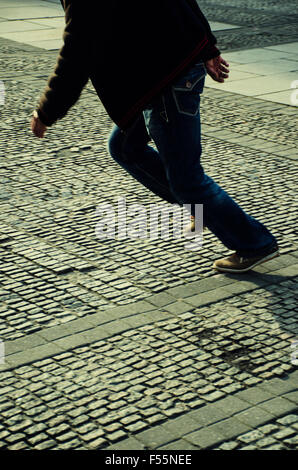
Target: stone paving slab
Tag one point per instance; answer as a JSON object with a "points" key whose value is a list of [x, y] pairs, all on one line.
{"points": [[27, 12], [262, 86]]}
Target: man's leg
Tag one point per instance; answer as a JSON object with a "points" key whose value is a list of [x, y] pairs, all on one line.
{"points": [[173, 122], [132, 152]]}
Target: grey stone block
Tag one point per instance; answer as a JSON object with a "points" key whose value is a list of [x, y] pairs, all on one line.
{"points": [[103, 317], [178, 307], [290, 271], [287, 260], [205, 285], [22, 344], [255, 416], [156, 437], [254, 395], [288, 420], [292, 396], [67, 329], [160, 300], [279, 387], [204, 438], [181, 292], [127, 444], [251, 436], [231, 405], [116, 327], [208, 297], [230, 428], [157, 315], [243, 286], [71, 342], [34, 354], [137, 320], [180, 444], [5, 367], [182, 425], [116, 313], [95, 334], [284, 433], [207, 415]]}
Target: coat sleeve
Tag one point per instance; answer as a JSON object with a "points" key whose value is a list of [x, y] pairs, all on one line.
{"points": [[71, 72], [210, 51]]}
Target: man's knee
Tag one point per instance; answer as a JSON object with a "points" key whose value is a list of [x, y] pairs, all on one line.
{"points": [[116, 145], [184, 188]]}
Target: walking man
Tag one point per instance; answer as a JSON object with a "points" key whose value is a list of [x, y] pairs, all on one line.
{"points": [[148, 61]]}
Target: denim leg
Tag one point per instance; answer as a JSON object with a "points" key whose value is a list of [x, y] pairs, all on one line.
{"points": [[173, 122], [132, 152]]}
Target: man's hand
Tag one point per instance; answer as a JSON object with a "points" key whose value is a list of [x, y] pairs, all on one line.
{"points": [[38, 128], [218, 69]]}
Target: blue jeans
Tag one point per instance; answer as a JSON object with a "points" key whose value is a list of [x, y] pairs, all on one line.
{"points": [[175, 173]]}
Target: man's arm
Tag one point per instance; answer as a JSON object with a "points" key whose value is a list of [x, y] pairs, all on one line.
{"points": [[71, 72], [211, 50], [216, 66]]}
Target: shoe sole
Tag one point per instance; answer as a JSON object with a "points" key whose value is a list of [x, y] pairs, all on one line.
{"points": [[231, 270]]}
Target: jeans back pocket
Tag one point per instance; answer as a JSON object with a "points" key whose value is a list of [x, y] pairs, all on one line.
{"points": [[188, 88]]}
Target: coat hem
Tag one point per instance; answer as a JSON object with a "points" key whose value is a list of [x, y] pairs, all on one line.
{"points": [[139, 106]]}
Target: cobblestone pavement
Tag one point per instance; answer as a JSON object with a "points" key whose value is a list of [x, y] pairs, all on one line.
{"points": [[263, 22], [280, 435], [137, 380], [137, 344]]}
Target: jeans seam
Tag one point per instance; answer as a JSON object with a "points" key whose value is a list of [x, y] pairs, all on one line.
{"points": [[179, 107], [153, 179]]}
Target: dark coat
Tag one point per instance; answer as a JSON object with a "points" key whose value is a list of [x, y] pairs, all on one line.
{"points": [[130, 50]]}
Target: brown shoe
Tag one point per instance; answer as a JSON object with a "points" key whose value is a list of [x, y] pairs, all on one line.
{"points": [[239, 264]]}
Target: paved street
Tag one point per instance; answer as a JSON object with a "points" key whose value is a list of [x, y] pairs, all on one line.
{"points": [[138, 344]]}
